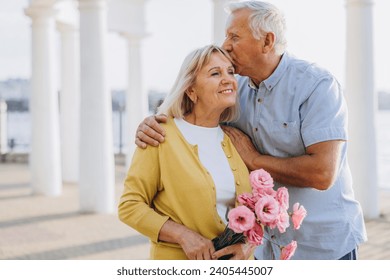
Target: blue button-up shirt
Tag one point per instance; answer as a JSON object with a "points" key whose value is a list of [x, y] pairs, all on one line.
{"points": [[299, 105]]}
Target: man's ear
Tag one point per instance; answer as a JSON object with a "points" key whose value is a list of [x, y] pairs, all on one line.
{"points": [[269, 42]]}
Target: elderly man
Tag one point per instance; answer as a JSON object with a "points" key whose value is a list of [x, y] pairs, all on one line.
{"points": [[296, 118]]}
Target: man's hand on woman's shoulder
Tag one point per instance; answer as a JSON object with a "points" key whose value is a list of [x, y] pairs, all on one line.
{"points": [[150, 132]]}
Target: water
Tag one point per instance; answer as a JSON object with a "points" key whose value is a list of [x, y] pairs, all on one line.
{"points": [[19, 129]]}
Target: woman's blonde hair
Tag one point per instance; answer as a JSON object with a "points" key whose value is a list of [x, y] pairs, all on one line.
{"points": [[177, 103]]}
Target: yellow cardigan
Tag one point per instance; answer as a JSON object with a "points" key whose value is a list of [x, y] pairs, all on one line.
{"points": [[169, 181]]}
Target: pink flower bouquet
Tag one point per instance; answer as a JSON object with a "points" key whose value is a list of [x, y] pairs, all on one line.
{"points": [[262, 208]]}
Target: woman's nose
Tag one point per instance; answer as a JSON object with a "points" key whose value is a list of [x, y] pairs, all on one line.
{"points": [[228, 79]]}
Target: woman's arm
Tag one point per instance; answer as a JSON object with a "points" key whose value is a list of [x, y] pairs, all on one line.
{"points": [[141, 187], [194, 245]]}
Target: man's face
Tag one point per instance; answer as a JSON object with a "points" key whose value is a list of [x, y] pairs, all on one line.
{"points": [[244, 49]]}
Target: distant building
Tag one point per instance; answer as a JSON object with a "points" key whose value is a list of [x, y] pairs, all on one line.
{"points": [[155, 99], [383, 100], [16, 92], [15, 89]]}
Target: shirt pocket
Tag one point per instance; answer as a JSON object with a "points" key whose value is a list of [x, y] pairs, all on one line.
{"points": [[286, 138]]}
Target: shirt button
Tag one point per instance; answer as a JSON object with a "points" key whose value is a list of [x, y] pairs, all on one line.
{"points": [[256, 129], [234, 169], [238, 183], [259, 100], [229, 156], [273, 237], [223, 144]]}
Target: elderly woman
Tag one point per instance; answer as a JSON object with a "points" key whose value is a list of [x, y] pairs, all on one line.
{"points": [[178, 194]]}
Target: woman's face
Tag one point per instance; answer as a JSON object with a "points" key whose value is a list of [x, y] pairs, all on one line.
{"points": [[215, 86]]}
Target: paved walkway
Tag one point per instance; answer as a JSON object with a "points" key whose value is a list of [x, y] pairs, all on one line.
{"points": [[42, 228]]}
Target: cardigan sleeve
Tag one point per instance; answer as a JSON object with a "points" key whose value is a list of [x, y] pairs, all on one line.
{"points": [[141, 186]]}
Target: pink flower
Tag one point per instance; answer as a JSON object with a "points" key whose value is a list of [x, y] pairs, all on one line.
{"points": [[260, 192], [265, 207], [248, 200], [288, 250], [283, 221], [267, 210], [299, 213], [261, 179], [282, 197], [255, 235], [241, 219]]}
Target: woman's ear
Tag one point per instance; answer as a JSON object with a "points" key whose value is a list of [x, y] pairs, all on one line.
{"points": [[192, 95]]}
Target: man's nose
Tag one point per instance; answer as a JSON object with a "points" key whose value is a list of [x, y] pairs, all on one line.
{"points": [[226, 45]]}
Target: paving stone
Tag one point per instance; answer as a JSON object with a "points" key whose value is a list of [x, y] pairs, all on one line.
{"points": [[51, 228]]}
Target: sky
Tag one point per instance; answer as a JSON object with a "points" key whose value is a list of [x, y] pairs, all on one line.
{"points": [[315, 32]]}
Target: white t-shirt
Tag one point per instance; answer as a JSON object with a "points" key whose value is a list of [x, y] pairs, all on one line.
{"points": [[213, 158]]}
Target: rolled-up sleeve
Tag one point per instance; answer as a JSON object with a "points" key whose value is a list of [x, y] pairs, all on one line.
{"points": [[324, 113]]}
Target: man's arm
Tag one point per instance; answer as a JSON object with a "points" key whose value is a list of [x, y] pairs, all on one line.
{"points": [[149, 132], [316, 169]]}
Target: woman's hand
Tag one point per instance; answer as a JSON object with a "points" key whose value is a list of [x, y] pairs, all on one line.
{"points": [[195, 246], [150, 132], [239, 251]]}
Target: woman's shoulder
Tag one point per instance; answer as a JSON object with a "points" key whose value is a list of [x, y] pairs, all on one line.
{"points": [[169, 126]]}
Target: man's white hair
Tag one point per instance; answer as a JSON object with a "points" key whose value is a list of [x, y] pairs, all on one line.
{"points": [[264, 18]]}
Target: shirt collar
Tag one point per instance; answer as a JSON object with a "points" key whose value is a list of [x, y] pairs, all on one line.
{"points": [[272, 80]]}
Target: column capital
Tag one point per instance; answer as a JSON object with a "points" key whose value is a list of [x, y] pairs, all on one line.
{"points": [[359, 2], [40, 12]]}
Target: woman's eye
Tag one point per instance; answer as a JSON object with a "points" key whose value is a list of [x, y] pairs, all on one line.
{"points": [[215, 74]]}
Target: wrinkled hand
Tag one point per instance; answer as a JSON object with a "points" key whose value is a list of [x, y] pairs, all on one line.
{"points": [[197, 247], [150, 132], [240, 251], [243, 145]]}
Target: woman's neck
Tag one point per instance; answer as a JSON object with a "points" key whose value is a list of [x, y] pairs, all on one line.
{"points": [[205, 120]]}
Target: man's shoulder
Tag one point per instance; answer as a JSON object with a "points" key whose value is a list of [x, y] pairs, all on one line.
{"points": [[306, 67]]}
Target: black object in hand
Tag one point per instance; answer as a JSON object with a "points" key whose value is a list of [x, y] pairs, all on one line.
{"points": [[227, 238]]}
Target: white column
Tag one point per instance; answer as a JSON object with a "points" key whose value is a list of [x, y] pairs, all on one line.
{"points": [[96, 140], [70, 101], [220, 17], [362, 106], [136, 99], [45, 161], [3, 128]]}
